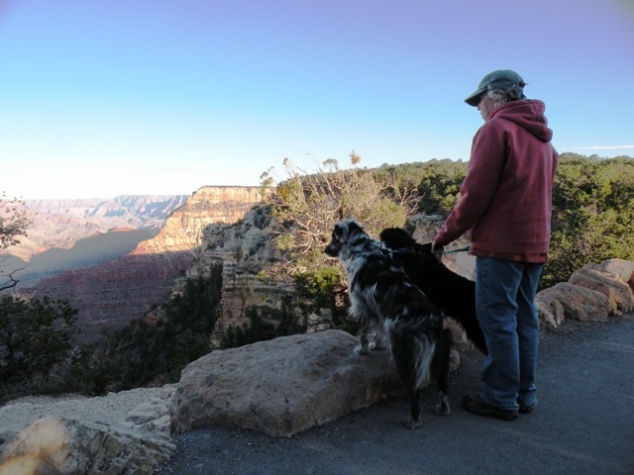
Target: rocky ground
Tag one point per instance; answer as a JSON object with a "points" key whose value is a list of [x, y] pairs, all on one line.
{"points": [[126, 432], [140, 408], [583, 425]]}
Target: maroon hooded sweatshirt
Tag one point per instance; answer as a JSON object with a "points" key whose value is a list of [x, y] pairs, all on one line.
{"points": [[506, 197]]}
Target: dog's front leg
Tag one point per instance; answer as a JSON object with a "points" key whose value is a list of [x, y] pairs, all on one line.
{"points": [[363, 348], [380, 340], [440, 370], [361, 313], [415, 419], [442, 408], [373, 337]]}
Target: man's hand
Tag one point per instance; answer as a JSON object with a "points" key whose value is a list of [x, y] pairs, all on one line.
{"points": [[437, 249]]}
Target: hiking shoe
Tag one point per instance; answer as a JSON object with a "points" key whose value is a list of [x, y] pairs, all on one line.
{"points": [[477, 406]]}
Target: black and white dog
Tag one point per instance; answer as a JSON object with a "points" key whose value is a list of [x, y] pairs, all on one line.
{"points": [[384, 299], [453, 294]]}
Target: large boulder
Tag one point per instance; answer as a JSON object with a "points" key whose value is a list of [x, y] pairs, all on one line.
{"points": [[282, 386], [593, 292], [578, 303], [549, 309], [125, 432], [53, 445], [609, 284], [621, 268]]}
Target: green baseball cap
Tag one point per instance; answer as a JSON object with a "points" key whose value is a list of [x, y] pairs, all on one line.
{"points": [[501, 79]]}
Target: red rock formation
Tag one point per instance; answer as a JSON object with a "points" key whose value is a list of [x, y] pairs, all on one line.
{"points": [[112, 294], [184, 228], [62, 223]]}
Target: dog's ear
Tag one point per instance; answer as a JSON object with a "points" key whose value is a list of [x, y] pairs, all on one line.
{"points": [[385, 235], [351, 227], [345, 227]]}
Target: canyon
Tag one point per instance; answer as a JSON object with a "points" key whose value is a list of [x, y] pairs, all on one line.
{"points": [[60, 224], [126, 287], [132, 275], [135, 430]]}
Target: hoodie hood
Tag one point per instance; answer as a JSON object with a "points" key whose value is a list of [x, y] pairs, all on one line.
{"points": [[528, 114]]}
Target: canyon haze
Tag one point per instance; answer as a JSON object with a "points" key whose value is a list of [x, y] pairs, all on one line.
{"points": [[115, 259]]}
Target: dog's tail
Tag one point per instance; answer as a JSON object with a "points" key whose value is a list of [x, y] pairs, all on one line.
{"points": [[424, 352], [413, 352]]}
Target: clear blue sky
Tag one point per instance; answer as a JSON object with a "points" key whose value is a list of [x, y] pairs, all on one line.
{"points": [[101, 98]]}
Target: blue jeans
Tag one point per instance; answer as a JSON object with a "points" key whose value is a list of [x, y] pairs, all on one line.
{"points": [[505, 306]]}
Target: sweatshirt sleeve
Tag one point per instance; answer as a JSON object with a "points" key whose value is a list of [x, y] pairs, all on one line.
{"points": [[488, 156]]}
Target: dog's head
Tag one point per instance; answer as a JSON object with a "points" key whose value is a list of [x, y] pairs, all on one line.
{"points": [[397, 239], [343, 234]]}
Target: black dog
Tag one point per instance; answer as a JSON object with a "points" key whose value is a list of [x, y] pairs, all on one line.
{"points": [[453, 294], [383, 298]]}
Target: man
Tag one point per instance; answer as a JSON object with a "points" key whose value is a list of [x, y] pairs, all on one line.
{"points": [[505, 209]]}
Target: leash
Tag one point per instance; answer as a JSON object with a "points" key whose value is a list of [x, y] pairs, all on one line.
{"points": [[412, 249], [453, 251]]}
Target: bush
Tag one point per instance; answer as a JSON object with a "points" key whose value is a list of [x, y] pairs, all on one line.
{"points": [[146, 352], [34, 338], [593, 214]]}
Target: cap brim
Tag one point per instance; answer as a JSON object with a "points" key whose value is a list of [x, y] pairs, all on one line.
{"points": [[474, 99]]}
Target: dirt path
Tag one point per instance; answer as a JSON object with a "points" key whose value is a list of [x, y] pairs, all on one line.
{"points": [[584, 424]]}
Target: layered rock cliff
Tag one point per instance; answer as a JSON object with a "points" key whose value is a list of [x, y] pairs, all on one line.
{"points": [[183, 229], [112, 294], [62, 223], [244, 250]]}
